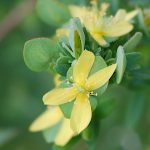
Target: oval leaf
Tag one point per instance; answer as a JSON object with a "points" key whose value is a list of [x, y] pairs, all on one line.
{"points": [[121, 64], [133, 60], [52, 12], [51, 133], [67, 109], [62, 65], [39, 54], [133, 42], [99, 64], [93, 102], [76, 37], [70, 74]]}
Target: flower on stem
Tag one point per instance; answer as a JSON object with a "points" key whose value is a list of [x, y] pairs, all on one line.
{"points": [[51, 117], [80, 90], [101, 26]]}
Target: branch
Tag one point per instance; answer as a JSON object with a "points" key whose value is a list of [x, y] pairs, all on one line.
{"points": [[15, 17]]}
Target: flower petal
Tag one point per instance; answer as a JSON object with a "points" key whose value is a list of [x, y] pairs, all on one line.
{"points": [[81, 113], [82, 67], [120, 15], [131, 15], [60, 96], [98, 37], [100, 78], [79, 12], [46, 120], [118, 29], [65, 133]]}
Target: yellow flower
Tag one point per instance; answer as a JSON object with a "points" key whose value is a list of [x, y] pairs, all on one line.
{"points": [[80, 90], [62, 32], [82, 11], [50, 118], [147, 17], [101, 26]]}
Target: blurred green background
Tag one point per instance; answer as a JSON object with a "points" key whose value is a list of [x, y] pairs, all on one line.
{"points": [[21, 90]]}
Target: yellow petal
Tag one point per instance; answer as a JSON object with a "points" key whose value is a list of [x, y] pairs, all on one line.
{"points": [[62, 32], [82, 67], [100, 78], [118, 29], [81, 113], [98, 37], [131, 15], [79, 12], [65, 133], [120, 15], [104, 7], [46, 120], [60, 96]]}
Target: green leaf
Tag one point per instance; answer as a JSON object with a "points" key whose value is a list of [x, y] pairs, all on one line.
{"points": [[70, 74], [131, 44], [142, 22], [63, 64], [133, 60], [67, 109], [99, 64], [52, 12], [111, 39], [108, 55], [111, 61], [101, 90], [65, 84], [65, 49], [121, 64], [51, 133], [76, 37], [93, 102], [39, 54]]}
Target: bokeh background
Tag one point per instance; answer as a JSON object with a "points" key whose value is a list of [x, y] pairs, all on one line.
{"points": [[21, 90]]}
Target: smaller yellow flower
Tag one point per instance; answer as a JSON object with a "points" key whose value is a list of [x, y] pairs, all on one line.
{"points": [[82, 11], [101, 26], [80, 90], [147, 17], [62, 32], [50, 118]]}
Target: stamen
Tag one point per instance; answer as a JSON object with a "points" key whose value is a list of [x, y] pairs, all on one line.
{"points": [[93, 94]]}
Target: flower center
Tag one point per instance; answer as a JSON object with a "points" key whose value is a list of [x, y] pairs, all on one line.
{"points": [[83, 90]]}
